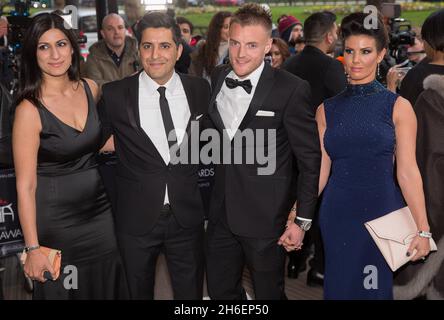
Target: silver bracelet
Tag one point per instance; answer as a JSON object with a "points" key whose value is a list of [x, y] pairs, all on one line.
{"points": [[425, 234], [31, 248]]}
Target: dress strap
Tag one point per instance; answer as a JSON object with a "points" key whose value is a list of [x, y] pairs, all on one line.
{"points": [[88, 91]]}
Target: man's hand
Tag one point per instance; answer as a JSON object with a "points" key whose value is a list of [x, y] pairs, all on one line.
{"points": [[292, 238]]}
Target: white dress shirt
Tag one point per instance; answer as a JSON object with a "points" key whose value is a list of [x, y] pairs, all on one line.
{"points": [[233, 104], [151, 117]]}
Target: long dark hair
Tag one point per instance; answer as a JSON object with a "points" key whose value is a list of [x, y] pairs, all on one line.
{"points": [[209, 51], [30, 80]]}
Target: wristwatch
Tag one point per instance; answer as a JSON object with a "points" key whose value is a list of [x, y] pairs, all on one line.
{"points": [[424, 234], [303, 224]]}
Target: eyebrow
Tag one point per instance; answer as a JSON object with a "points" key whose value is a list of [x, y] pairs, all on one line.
{"points": [[161, 43], [63, 39], [366, 48]]}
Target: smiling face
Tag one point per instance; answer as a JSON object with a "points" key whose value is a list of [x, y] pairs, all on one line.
{"points": [[361, 58], [159, 53], [54, 53], [248, 47]]}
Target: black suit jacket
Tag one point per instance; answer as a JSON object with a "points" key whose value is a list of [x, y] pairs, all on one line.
{"points": [[258, 205], [325, 75], [141, 173]]}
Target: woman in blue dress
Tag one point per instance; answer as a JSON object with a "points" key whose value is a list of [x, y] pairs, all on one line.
{"points": [[362, 130]]}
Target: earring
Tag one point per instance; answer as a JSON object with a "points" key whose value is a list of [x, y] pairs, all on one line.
{"points": [[378, 75]]}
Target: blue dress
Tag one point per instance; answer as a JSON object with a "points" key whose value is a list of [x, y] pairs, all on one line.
{"points": [[360, 141]]}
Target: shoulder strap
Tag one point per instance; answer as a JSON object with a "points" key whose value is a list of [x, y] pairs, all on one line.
{"points": [[87, 90]]}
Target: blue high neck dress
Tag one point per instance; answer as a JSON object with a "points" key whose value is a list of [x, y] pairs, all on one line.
{"points": [[360, 141]]}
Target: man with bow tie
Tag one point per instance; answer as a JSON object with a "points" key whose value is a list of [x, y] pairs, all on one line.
{"points": [[249, 210]]}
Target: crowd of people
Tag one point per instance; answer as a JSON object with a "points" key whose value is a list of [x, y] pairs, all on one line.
{"points": [[347, 150]]}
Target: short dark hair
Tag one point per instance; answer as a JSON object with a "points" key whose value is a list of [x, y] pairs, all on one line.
{"points": [[253, 14], [181, 20], [157, 19], [318, 25], [433, 30], [353, 25], [30, 72]]}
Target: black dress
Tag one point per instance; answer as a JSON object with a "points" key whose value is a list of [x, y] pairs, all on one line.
{"points": [[73, 212]]}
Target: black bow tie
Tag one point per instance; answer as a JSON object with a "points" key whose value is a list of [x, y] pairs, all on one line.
{"points": [[233, 83]]}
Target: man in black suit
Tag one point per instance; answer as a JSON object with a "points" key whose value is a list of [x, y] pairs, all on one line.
{"points": [[159, 207], [325, 75], [327, 78], [249, 207]]}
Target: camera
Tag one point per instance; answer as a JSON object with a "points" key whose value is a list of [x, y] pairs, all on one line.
{"points": [[401, 38]]}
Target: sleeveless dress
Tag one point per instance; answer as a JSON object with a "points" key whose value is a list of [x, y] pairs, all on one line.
{"points": [[73, 212], [360, 140]]}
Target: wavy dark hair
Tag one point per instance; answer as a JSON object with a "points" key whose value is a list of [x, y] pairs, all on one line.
{"points": [[209, 51], [353, 25], [30, 80]]}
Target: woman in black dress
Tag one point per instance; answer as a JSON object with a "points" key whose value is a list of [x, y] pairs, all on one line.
{"points": [[61, 199]]}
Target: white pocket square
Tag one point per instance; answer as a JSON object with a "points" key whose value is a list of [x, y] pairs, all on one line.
{"points": [[263, 113], [199, 116]]}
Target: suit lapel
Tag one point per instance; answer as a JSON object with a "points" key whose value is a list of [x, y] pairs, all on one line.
{"points": [[191, 99], [263, 88], [213, 112], [132, 99]]}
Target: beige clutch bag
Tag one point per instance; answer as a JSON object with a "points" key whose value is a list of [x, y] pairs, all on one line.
{"points": [[393, 234]]}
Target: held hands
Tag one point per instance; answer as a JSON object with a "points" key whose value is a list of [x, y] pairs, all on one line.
{"points": [[36, 264], [292, 238], [421, 246]]}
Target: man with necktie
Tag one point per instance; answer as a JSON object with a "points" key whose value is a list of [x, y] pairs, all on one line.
{"points": [[249, 208], [159, 207]]}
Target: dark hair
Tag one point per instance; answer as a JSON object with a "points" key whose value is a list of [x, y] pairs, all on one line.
{"points": [[253, 14], [353, 25], [433, 30], [30, 72], [318, 25], [157, 19], [182, 20], [209, 51], [283, 47]]}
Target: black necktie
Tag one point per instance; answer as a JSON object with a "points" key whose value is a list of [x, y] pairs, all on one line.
{"points": [[233, 83], [166, 116]]}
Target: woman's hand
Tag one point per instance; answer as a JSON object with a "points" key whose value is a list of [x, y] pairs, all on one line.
{"points": [[422, 247], [393, 78], [36, 264]]}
